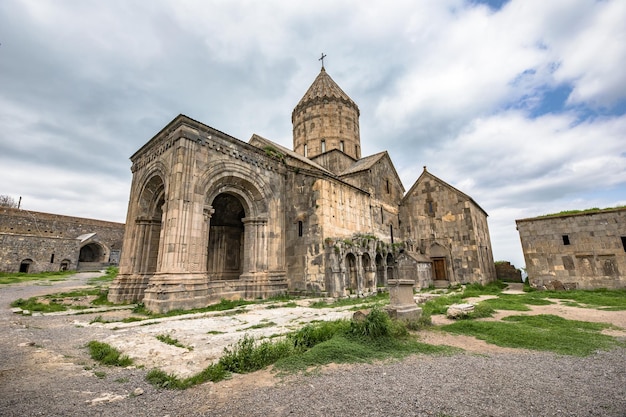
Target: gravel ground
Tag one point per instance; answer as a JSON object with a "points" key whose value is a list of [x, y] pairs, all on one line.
{"points": [[45, 370]]}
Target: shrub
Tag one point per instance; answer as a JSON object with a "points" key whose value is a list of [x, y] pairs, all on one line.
{"points": [[247, 355], [313, 334], [376, 325]]}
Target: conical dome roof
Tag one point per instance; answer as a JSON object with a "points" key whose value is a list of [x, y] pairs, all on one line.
{"points": [[322, 88]]}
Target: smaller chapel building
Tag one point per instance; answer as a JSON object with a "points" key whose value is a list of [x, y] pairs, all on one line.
{"points": [[213, 217], [585, 250]]}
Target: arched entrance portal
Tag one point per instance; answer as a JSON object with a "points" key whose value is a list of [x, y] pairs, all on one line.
{"points": [[226, 238], [25, 266], [390, 261], [91, 253], [149, 226], [353, 283], [369, 272], [380, 271]]}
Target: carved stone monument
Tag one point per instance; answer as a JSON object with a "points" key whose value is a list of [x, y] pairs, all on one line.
{"points": [[402, 306]]}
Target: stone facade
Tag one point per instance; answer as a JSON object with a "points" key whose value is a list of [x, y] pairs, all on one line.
{"points": [[451, 228], [213, 217], [39, 242], [507, 272], [584, 250]]}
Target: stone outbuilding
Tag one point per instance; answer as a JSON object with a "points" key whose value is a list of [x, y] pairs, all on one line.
{"points": [[213, 217], [585, 250], [33, 242]]}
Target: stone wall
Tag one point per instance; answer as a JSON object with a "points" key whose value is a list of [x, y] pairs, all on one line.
{"points": [[507, 272], [205, 221], [27, 222], [448, 225], [34, 254], [50, 242], [585, 250]]}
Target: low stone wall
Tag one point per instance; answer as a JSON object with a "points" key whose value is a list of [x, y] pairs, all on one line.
{"points": [[39, 254]]}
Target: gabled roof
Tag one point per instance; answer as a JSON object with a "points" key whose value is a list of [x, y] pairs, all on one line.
{"points": [[368, 162], [324, 87], [364, 164], [426, 174], [261, 142]]}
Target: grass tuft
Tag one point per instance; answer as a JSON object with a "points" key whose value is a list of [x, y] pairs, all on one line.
{"points": [[107, 355], [17, 277], [167, 339]]}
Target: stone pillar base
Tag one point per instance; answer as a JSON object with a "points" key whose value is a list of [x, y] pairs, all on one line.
{"points": [[402, 306], [405, 313], [128, 288], [188, 291]]}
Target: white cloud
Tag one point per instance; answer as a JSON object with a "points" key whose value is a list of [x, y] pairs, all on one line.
{"points": [[447, 84]]}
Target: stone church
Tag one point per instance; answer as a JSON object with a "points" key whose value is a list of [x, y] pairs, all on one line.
{"points": [[213, 217]]}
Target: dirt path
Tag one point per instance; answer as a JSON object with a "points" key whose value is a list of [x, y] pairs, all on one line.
{"points": [[44, 364]]}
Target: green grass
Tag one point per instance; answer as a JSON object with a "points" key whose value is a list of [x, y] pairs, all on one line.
{"points": [[221, 306], [475, 290], [107, 355], [110, 274], [290, 304], [259, 326], [439, 305], [167, 339], [54, 301], [33, 304], [602, 298], [365, 302], [589, 210], [506, 302], [541, 332], [17, 277], [375, 338]]}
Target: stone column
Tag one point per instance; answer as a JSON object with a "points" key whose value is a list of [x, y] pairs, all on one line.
{"points": [[207, 212], [255, 250], [402, 306], [141, 225], [359, 273]]}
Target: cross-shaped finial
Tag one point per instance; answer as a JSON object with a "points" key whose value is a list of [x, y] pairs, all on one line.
{"points": [[322, 59]]}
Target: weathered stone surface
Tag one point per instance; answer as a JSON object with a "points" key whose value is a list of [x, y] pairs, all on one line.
{"points": [[402, 306], [425, 297], [582, 250], [360, 315], [212, 217], [39, 242], [507, 272], [456, 311]]}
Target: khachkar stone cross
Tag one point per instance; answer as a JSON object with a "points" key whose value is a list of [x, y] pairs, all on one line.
{"points": [[322, 59]]}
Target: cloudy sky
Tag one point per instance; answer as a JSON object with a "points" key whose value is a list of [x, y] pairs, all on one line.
{"points": [[520, 104]]}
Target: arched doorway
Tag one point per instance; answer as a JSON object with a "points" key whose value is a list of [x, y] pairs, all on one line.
{"points": [[148, 222], [390, 262], [352, 278], [65, 265], [439, 259], [25, 265], [369, 272], [91, 252], [225, 254], [380, 271]]}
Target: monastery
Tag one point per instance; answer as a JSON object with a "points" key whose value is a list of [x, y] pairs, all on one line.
{"points": [[213, 217]]}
